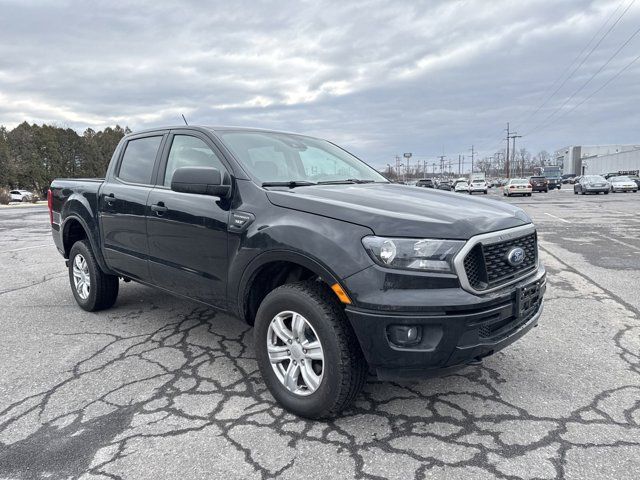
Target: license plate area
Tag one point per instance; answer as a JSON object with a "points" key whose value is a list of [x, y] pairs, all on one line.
{"points": [[528, 297]]}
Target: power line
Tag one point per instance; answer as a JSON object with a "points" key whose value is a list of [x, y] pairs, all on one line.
{"points": [[602, 67], [567, 78], [584, 100]]}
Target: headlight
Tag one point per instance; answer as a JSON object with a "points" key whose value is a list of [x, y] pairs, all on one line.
{"points": [[413, 254]]}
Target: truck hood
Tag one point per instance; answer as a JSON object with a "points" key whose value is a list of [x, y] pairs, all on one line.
{"points": [[401, 211]]}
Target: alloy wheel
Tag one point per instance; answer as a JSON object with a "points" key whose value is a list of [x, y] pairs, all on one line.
{"points": [[81, 277], [295, 353]]}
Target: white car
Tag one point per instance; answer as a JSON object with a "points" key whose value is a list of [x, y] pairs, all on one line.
{"points": [[461, 187], [21, 195], [623, 184], [478, 186], [517, 186]]}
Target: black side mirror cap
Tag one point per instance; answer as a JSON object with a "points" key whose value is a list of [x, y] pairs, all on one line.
{"points": [[201, 180]]}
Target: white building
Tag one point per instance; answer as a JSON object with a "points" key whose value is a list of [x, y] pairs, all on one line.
{"points": [[598, 159]]}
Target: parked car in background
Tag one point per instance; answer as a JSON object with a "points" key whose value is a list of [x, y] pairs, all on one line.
{"points": [[635, 178], [539, 184], [591, 184], [623, 184], [444, 185], [461, 187], [517, 186], [425, 182], [478, 185], [458, 180], [21, 195]]}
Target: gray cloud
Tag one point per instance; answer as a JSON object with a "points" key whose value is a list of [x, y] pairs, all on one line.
{"points": [[378, 77]]}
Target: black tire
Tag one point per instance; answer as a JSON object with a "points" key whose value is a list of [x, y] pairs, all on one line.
{"points": [[344, 370], [575, 192], [104, 288], [606, 193], [582, 192]]}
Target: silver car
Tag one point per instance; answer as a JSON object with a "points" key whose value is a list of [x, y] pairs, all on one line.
{"points": [[21, 195], [623, 184]]}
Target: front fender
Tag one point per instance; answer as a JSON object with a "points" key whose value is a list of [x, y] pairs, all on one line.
{"points": [[330, 248]]}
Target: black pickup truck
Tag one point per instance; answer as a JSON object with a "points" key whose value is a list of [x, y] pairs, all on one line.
{"points": [[340, 272]]}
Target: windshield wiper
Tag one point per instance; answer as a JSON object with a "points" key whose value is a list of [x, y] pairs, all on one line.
{"points": [[346, 181], [290, 184]]}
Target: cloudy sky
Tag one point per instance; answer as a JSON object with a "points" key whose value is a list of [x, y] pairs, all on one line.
{"points": [[379, 77]]}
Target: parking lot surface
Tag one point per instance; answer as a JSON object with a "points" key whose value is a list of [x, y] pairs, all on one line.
{"points": [[159, 387]]}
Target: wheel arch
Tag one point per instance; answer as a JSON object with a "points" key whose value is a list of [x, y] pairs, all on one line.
{"points": [[272, 269], [73, 228]]}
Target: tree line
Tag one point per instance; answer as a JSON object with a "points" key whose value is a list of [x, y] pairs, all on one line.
{"points": [[31, 156]]}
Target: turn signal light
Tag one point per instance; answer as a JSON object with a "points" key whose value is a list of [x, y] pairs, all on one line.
{"points": [[342, 295]]}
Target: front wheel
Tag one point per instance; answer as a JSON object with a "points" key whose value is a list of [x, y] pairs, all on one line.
{"points": [[307, 353], [92, 288]]}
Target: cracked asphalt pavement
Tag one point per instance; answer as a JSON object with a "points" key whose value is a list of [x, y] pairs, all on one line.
{"points": [[159, 387]]}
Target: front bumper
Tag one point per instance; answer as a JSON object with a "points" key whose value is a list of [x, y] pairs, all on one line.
{"points": [[452, 337], [596, 189]]}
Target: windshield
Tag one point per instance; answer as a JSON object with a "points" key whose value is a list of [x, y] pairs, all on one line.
{"points": [[279, 157], [620, 179], [519, 181]]}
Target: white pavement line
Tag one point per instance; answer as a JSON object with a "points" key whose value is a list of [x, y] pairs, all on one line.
{"points": [[561, 219], [27, 248], [620, 242]]}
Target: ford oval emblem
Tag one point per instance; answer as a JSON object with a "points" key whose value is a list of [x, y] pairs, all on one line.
{"points": [[515, 256]]}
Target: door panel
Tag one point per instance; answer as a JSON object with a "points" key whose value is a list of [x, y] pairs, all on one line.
{"points": [[123, 220], [187, 232], [188, 245], [123, 207]]}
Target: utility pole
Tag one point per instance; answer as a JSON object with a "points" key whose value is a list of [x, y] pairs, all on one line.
{"points": [[511, 159], [459, 164], [506, 160], [472, 157], [441, 165], [514, 135]]}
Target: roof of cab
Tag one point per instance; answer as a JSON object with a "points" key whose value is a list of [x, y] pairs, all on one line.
{"points": [[217, 128]]}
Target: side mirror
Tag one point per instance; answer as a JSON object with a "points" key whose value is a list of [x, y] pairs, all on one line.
{"points": [[201, 180]]}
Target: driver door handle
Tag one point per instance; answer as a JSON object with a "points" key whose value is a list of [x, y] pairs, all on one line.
{"points": [[159, 208]]}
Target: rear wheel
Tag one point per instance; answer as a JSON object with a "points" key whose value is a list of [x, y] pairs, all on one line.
{"points": [[92, 288], [307, 353]]}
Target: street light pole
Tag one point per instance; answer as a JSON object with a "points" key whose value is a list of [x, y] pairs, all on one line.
{"points": [[407, 156]]}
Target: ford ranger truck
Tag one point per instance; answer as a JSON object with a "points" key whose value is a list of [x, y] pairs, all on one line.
{"points": [[340, 272]]}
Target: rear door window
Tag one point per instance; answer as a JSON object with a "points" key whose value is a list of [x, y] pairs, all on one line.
{"points": [[139, 159]]}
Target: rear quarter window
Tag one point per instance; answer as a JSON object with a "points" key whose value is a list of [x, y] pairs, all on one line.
{"points": [[139, 159]]}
